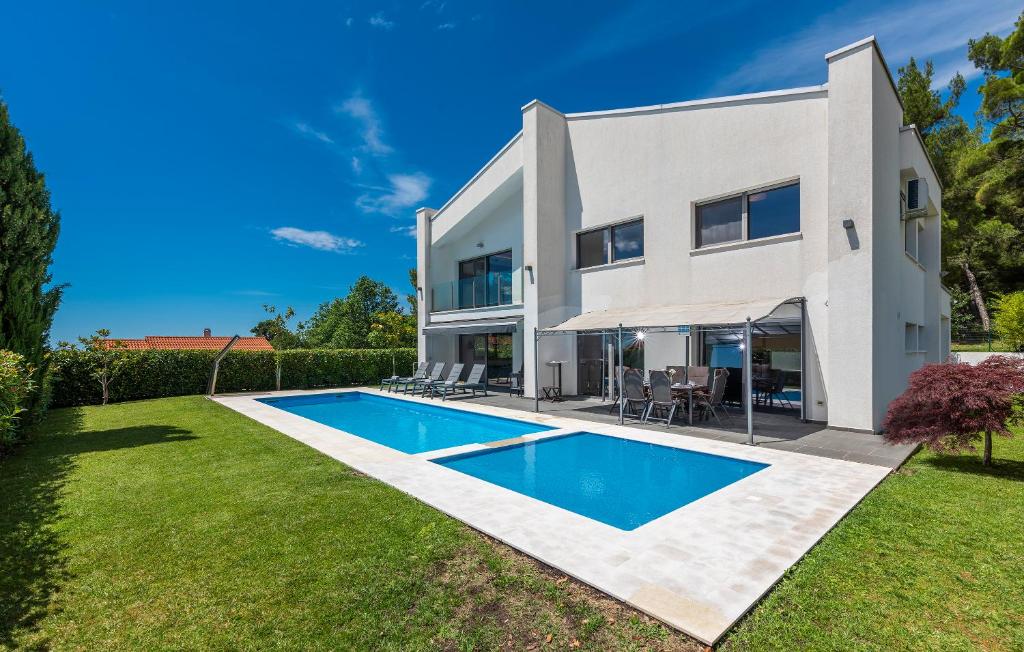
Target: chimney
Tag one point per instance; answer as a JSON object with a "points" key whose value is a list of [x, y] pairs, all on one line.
{"points": [[207, 332]]}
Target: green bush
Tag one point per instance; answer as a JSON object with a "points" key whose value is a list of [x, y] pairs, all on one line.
{"points": [[1009, 319], [15, 386], [158, 373]]}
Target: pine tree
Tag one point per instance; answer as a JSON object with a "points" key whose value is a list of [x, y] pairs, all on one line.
{"points": [[28, 235]]}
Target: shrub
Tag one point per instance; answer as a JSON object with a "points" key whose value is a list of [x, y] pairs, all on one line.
{"points": [[1009, 319], [948, 407], [159, 373], [16, 385]]}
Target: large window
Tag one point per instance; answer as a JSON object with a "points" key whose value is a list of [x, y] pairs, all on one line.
{"points": [[749, 216], [610, 244], [486, 281]]}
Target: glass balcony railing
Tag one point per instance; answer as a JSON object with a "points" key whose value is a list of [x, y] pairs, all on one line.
{"points": [[492, 289]]}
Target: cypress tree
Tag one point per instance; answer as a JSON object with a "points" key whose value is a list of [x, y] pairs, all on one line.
{"points": [[28, 234]]}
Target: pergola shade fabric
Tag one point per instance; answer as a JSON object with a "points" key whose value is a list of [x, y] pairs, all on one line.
{"points": [[473, 327], [695, 314]]}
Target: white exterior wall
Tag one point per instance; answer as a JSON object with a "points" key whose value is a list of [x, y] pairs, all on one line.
{"points": [[842, 141]]}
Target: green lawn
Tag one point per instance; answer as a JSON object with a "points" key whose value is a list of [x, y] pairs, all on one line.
{"points": [[177, 523], [933, 559]]}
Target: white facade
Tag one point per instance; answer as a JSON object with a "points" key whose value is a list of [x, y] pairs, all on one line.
{"points": [[843, 142]]}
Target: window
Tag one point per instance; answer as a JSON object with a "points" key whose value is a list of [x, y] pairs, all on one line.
{"points": [[610, 244], [486, 281], [592, 248], [913, 338], [720, 222], [912, 237], [749, 216]]}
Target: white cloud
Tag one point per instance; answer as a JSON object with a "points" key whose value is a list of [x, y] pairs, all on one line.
{"points": [[361, 109], [404, 192], [321, 240], [304, 129], [923, 29], [349, 21], [446, 27], [404, 230], [380, 21], [357, 165]]}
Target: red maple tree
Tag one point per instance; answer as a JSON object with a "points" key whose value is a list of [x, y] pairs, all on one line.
{"points": [[949, 406]]}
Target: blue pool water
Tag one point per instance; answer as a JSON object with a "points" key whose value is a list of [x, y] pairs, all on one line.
{"points": [[402, 425], [620, 482]]}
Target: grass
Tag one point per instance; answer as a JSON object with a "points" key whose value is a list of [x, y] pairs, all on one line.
{"points": [[933, 559], [177, 523], [996, 346]]}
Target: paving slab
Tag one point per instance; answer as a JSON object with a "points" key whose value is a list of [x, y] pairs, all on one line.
{"points": [[698, 568]]}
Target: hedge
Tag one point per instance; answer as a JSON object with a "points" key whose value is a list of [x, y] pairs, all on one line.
{"points": [[15, 386], [157, 373]]}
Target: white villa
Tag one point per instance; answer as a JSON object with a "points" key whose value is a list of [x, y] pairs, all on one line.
{"points": [[814, 212]]}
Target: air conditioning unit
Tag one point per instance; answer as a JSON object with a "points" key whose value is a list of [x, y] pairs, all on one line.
{"points": [[917, 197]]}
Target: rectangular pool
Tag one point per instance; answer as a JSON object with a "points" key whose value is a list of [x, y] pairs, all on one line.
{"points": [[620, 482], [403, 425]]}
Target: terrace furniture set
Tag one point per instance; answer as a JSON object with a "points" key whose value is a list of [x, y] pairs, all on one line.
{"points": [[436, 383], [660, 398]]}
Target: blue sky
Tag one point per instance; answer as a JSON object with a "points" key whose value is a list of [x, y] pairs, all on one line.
{"points": [[208, 158]]}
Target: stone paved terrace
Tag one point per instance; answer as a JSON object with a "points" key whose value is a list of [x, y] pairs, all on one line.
{"points": [[698, 568], [777, 429]]}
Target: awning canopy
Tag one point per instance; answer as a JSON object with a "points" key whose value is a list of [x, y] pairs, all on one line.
{"points": [[472, 327], [694, 314]]}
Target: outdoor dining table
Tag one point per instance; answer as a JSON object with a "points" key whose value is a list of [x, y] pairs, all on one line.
{"points": [[678, 391]]}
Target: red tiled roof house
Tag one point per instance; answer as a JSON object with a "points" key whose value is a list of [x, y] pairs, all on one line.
{"points": [[205, 342]]}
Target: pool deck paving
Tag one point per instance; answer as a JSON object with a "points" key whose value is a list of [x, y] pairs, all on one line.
{"points": [[699, 568]]}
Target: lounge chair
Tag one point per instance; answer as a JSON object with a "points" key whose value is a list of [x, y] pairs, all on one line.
{"points": [[436, 372], [472, 383], [421, 372], [635, 402], [661, 398], [453, 377]]}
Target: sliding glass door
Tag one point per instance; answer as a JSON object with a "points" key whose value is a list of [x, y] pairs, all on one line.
{"points": [[491, 349], [486, 281]]}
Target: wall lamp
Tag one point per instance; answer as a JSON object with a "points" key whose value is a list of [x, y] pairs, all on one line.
{"points": [[847, 223]]}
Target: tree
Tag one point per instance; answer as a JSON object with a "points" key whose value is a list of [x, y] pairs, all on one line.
{"points": [[344, 323], [412, 299], [988, 184], [391, 330], [1009, 319], [28, 234], [105, 354], [275, 328], [948, 407]]}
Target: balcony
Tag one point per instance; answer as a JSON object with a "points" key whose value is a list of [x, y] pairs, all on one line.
{"points": [[486, 291]]}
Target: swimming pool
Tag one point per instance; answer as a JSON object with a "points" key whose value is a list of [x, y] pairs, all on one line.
{"points": [[403, 425], [620, 482]]}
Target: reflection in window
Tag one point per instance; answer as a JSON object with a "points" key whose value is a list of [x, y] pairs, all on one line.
{"points": [[749, 216], [721, 221], [486, 281], [774, 212], [628, 241], [610, 244]]}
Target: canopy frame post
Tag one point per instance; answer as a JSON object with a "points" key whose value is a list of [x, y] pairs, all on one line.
{"points": [[748, 369], [803, 360], [621, 386], [536, 370]]}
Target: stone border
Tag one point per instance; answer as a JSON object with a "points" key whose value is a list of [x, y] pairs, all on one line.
{"points": [[699, 568]]}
